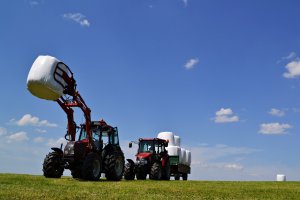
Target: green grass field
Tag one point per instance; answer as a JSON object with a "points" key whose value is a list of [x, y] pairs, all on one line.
{"points": [[13, 186]]}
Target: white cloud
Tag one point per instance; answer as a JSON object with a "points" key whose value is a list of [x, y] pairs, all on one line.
{"points": [[225, 115], [17, 137], [220, 162], [190, 64], [56, 143], [39, 140], [28, 119], [277, 112], [293, 69], [274, 128], [2, 131], [78, 18]]}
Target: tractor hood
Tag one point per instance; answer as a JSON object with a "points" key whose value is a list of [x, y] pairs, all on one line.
{"points": [[143, 155]]}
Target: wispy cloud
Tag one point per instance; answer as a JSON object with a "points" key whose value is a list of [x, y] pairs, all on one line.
{"points": [[233, 166], [3, 131], [185, 2], [30, 120], [40, 130], [276, 112], [34, 2], [78, 18], [39, 140], [56, 143], [274, 128], [17, 137], [190, 64], [225, 115]]}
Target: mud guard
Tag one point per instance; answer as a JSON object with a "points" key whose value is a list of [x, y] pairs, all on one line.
{"points": [[130, 161], [57, 150]]}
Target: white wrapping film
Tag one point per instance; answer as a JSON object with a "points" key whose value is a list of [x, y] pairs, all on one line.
{"points": [[281, 177], [182, 160], [40, 80], [188, 157], [173, 150], [177, 140], [167, 136]]}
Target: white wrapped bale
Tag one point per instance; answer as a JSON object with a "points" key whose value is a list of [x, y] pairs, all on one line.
{"points": [[167, 136], [281, 177], [188, 157], [177, 140], [44, 79], [182, 159], [173, 150]]}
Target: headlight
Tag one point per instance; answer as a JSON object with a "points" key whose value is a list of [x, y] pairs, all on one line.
{"points": [[142, 161], [69, 149]]}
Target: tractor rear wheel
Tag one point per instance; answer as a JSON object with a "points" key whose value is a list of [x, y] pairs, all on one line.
{"points": [[141, 172], [114, 166], [76, 173], [52, 166], [184, 176], [156, 171], [91, 169], [129, 171], [167, 171]]}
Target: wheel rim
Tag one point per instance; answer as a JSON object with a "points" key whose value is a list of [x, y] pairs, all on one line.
{"points": [[96, 168]]}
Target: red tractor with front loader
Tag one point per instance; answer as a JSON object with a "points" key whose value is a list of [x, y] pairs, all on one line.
{"points": [[152, 158], [96, 149]]}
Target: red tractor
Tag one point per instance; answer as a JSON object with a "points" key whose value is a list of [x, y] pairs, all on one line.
{"points": [[96, 150], [152, 158]]}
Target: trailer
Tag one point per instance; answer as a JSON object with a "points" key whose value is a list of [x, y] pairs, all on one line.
{"points": [[177, 169]]}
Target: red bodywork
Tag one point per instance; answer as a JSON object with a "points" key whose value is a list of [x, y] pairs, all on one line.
{"points": [[77, 101], [143, 155]]}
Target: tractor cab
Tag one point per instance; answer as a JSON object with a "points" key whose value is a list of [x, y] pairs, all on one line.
{"points": [[102, 135], [154, 145]]}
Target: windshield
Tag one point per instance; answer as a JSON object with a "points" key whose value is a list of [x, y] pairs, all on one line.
{"points": [[146, 147], [106, 137]]}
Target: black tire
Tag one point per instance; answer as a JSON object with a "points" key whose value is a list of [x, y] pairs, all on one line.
{"points": [[184, 177], [129, 171], [91, 169], [114, 166], [167, 171], [177, 177], [53, 165], [141, 172], [76, 173], [156, 171]]}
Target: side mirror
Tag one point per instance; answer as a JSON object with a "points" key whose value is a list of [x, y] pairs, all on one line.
{"points": [[130, 144]]}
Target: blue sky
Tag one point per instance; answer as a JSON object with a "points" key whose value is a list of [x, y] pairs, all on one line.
{"points": [[223, 75]]}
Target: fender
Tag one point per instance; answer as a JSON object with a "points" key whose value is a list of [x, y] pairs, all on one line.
{"points": [[57, 150], [130, 161]]}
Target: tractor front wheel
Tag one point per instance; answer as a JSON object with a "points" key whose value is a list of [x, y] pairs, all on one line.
{"points": [[156, 171], [184, 176], [91, 169], [129, 171], [53, 166], [114, 166], [141, 172]]}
